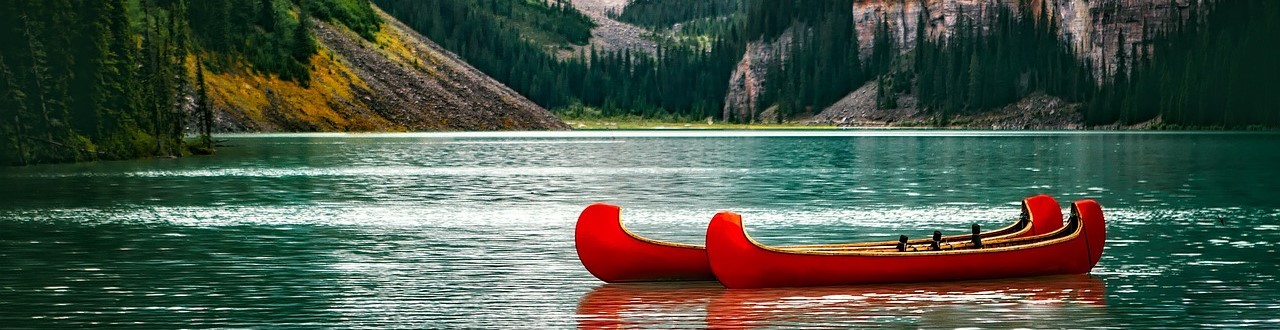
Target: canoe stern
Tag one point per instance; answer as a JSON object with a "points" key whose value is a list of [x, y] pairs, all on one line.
{"points": [[1095, 228], [1045, 213], [612, 254]]}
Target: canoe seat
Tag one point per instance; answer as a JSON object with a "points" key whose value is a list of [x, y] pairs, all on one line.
{"points": [[977, 238], [937, 241]]}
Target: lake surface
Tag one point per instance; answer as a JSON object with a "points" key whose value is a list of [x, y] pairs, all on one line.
{"points": [[463, 230]]}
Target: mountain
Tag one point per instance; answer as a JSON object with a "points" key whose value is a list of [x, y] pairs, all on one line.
{"points": [[544, 49], [1088, 29], [1109, 63], [1093, 29], [398, 81], [818, 61]]}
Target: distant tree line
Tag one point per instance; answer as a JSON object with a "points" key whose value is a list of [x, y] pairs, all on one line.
{"points": [[89, 80], [978, 69], [822, 63], [1218, 69], [663, 14], [501, 38], [1211, 68], [980, 66]]}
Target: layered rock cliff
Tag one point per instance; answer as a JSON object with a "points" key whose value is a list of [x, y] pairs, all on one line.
{"points": [[748, 79], [1094, 27]]}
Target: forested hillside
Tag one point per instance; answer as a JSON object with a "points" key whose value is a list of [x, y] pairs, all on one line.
{"points": [[823, 62], [1191, 75], [973, 70], [119, 79], [271, 36], [90, 79], [955, 63], [683, 80], [666, 14], [1219, 69], [1010, 50]]}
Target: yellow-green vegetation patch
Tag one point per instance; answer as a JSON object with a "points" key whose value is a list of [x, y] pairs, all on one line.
{"points": [[401, 48], [314, 105]]}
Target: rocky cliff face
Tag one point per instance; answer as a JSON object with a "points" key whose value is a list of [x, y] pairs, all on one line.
{"points": [[400, 81], [1094, 27], [747, 81], [610, 34]]}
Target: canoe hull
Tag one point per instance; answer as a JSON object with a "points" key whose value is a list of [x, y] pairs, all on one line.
{"points": [[740, 262], [613, 254]]}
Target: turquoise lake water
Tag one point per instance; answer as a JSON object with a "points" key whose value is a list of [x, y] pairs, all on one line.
{"points": [[466, 230]]}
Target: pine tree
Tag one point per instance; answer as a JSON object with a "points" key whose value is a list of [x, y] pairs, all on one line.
{"points": [[122, 85], [40, 76], [203, 107], [303, 46], [1121, 82], [90, 48], [975, 85], [267, 15], [12, 105]]}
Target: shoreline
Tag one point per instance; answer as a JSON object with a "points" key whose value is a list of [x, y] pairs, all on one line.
{"points": [[607, 124], [715, 130]]}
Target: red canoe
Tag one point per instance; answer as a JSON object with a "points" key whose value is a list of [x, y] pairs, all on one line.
{"points": [[740, 262], [614, 254]]}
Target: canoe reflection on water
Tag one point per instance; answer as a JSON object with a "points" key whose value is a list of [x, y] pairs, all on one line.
{"points": [[1010, 302], [646, 304]]}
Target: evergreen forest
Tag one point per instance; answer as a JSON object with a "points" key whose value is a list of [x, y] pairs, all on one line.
{"points": [[499, 37], [990, 60], [1217, 70], [659, 14], [121, 79]]}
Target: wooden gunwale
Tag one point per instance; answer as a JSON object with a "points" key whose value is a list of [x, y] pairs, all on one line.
{"points": [[1025, 224], [657, 242], [1018, 228], [1072, 230]]}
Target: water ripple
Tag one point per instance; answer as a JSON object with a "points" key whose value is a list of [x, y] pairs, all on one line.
{"points": [[463, 230]]}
